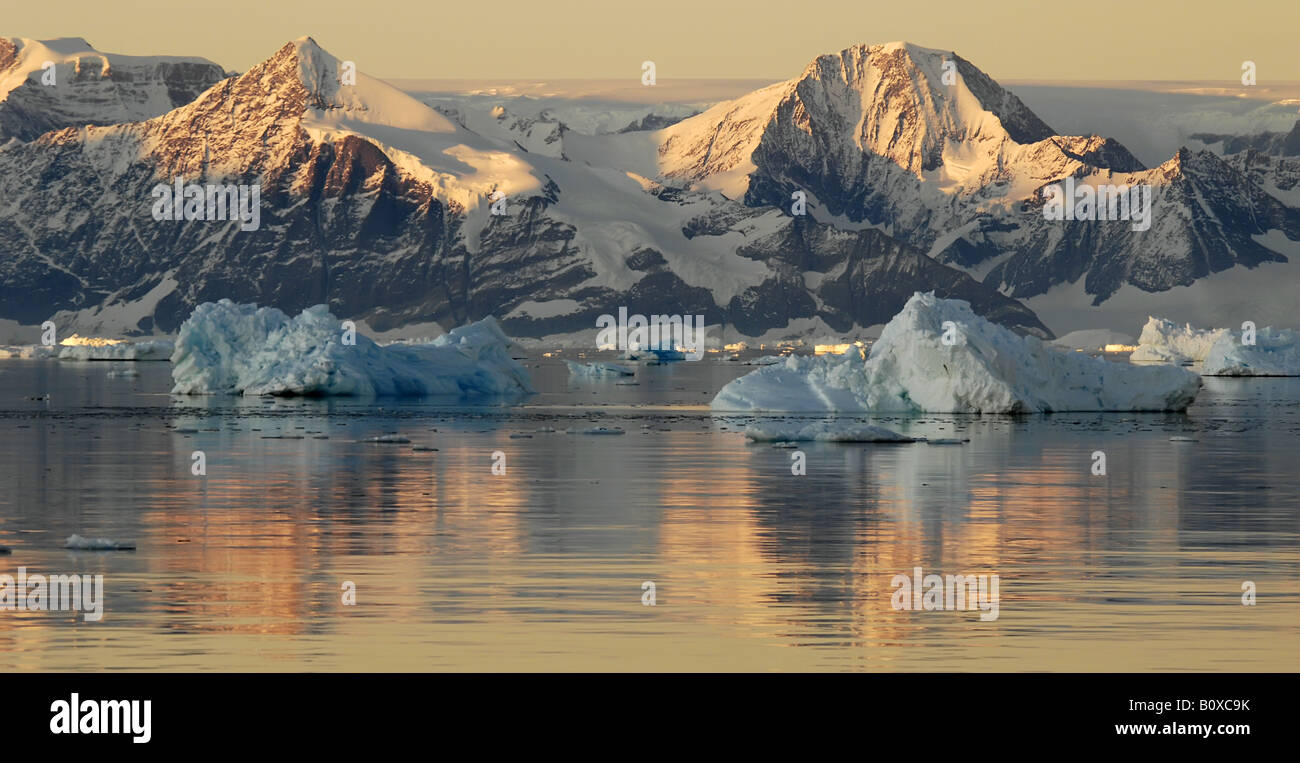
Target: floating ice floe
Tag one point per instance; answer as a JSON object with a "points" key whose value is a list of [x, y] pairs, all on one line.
{"points": [[387, 439], [225, 348], [986, 368], [823, 431], [588, 370], [79, 543], [596, 430], [1220, 351]]}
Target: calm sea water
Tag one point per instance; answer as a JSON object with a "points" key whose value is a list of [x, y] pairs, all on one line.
{"points": [[542, 568]]}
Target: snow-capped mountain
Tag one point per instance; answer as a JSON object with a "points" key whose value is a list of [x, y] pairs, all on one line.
{"points": [[921, 144], [385, 209], [49, 84]]}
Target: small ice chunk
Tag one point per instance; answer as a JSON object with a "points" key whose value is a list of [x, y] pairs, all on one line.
{"points": [[386, 439], [96, 544], [823, 431], [597, 430], [589, 370], [653, 357]]}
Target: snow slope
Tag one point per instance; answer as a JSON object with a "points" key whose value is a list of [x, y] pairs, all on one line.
{"points": [[90, 87]]}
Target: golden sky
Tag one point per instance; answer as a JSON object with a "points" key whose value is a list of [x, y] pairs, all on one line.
{"points": [[760, 39]]}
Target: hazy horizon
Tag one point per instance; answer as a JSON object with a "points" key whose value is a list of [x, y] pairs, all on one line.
{"points": [[756, 39]]}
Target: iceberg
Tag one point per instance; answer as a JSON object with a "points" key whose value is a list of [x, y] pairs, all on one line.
{"points": [[227, 348], [588, 370], [1164, 341], [1274, 353], [985, 369]]}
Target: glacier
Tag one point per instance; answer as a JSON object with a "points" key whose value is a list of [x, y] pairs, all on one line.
{"points": [[228, 348], [986, 369]]}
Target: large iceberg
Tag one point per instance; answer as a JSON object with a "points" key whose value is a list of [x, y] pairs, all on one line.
{"points": [[225, 348], [1164, 341], [1274, 353], [986, 368]]}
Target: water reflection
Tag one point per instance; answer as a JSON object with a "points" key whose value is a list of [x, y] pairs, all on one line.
{"points": [[541, 568]]}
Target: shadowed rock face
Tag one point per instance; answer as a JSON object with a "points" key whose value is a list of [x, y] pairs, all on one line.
{"points": [[1205, 213]]}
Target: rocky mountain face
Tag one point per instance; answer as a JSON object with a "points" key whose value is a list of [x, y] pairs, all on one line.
{"points": [[382, 208], [921, 144], [1206, 215], [50, 84], [918, 173], [1271, 143]]}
